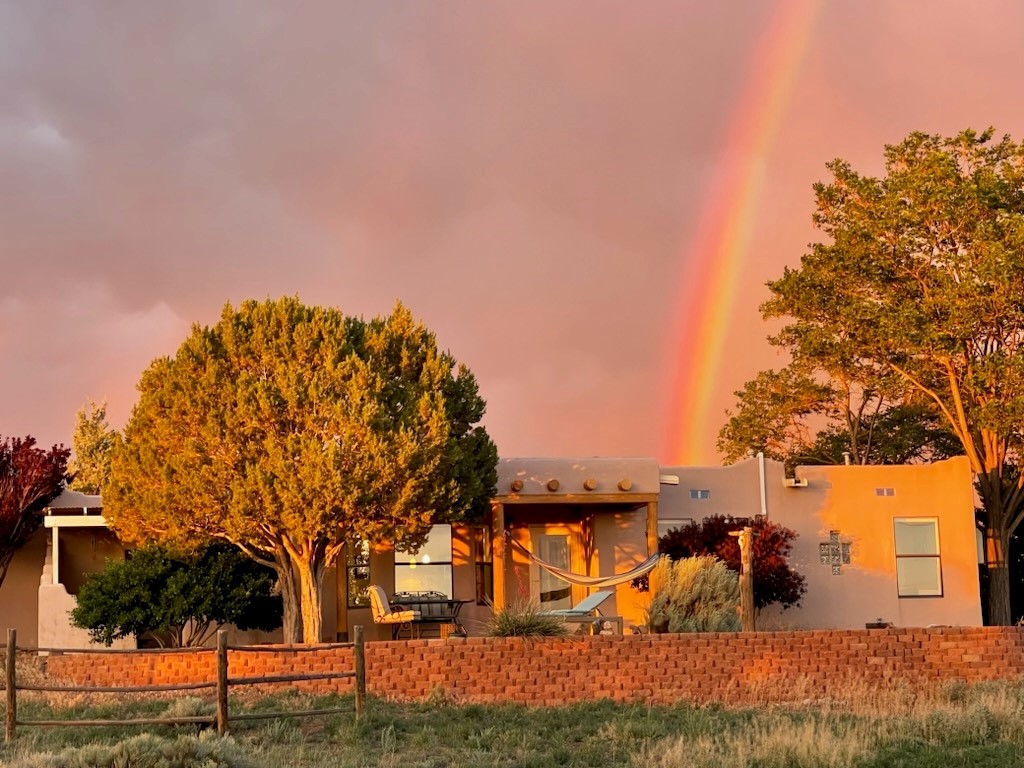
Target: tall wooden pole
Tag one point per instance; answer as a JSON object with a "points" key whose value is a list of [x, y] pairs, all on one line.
{"points": [[11, 717], [222, 682], [747, 579], [360, 660]]}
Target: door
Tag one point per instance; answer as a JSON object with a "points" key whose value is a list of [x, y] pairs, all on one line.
{"points": [[558, 546]]}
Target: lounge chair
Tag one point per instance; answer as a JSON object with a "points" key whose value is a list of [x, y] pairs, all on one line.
{"points": [[585, 607], [383, 614]]}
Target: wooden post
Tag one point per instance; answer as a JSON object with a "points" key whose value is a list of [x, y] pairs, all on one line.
{"points": [[222, 682], [360, 661], [747, 579], [12, 688], [499, 554]]}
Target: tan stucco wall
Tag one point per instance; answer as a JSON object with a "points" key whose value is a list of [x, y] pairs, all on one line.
{"points": [[843, 498], [620, 543], [18, 593]]}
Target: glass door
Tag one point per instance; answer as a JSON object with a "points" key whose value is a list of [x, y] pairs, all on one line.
{"points": [[556, 547]]}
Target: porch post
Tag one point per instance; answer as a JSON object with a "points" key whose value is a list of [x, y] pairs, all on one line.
{"points": [[498, 553], [652, 527], [55, 560]]}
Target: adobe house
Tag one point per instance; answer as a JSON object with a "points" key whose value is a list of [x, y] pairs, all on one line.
{"points": [[896, 543]]}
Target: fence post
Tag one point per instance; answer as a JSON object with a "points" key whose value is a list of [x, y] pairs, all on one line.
{"points": [[222, 681], [360, 660], [11, 716]]}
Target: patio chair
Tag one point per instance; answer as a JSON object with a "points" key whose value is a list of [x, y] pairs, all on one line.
{"points": [[383, 614]]}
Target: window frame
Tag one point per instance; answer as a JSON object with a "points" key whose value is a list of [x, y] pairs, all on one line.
{"points": [[411, 563], [936, 556]]}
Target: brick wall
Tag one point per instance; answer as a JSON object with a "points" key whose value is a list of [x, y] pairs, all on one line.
{"points": [[757, 667]]}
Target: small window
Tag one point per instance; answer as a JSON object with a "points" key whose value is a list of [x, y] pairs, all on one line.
{"points": [[700, 493], [918, 567], [885, 491], [357, 570], [429, 569]]}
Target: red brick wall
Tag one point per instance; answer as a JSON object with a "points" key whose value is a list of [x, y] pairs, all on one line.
{"points": [[651, 668]]}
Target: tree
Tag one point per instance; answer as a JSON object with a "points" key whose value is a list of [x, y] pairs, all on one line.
{"points": [[814, 415], [290, 430], [30, 478], [169, 599], [92, 444], [921, 279], [774, 580]]}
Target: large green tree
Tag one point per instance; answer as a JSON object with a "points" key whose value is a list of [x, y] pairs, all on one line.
{"points": [[91, 446], [920, 281], [290, 430]]}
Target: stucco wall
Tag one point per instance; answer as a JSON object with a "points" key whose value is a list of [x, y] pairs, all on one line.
{"points": [[844, 499], [18, 593]]}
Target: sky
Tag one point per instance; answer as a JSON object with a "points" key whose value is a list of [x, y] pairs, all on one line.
{"points": [[583, 200]]}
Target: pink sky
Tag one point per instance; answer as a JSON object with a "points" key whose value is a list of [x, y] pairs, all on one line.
{"points": [[526, 177]]}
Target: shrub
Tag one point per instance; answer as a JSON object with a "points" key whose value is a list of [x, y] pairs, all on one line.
{"points": [[524, 620], [696, 594], [147, 751]]}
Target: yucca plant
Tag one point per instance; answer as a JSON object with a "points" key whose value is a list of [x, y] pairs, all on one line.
{"points": [[524, 619], [694, 594]]}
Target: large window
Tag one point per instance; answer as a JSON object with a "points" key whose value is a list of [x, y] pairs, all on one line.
{"points": [[429, 569], [357, 568], [918, 570]]}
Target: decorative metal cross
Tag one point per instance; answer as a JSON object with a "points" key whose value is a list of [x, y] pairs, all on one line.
{"points": [[835, 553]]}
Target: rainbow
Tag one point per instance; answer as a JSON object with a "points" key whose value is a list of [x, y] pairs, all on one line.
{"points": [[716, 254]]}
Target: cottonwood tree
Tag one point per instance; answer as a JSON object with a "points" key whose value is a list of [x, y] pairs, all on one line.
{"points": [[30, 478], [290, 430], [810, 414], [921, 278], [91, 444]]}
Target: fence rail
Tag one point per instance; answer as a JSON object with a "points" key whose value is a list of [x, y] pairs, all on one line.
{"points": [[222, 683]]}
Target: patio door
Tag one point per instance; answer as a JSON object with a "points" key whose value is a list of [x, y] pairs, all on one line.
{"points": [[559, 546]]}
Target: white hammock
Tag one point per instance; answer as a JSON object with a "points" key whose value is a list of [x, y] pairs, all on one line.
{"points": [[592, 581]]}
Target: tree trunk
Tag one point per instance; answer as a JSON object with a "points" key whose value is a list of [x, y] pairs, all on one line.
{"points": [[291, 620], [310, 581], [998, 580]]}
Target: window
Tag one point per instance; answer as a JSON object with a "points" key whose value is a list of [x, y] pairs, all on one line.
{"points": [[918, 571], [700, 493], [429, 569], [484, 561], [357, 568], [885, 491]]}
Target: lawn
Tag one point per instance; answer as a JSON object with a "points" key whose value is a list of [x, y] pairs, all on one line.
{"points": [[982, 725]]}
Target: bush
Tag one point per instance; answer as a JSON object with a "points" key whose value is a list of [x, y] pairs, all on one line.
{"points": [[697, 594], [524, 620]]}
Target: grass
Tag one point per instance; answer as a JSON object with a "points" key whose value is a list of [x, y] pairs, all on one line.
{"points": [[980, 725]]}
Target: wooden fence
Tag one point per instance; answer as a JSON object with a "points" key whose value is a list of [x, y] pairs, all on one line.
{"points": [[221, 685]]}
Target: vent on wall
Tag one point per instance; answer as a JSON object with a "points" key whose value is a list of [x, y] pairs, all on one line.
{"points": [[792, 482], [700, 493]]}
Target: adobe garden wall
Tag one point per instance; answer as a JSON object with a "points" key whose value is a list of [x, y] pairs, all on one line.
{"points": [[662, 669]]}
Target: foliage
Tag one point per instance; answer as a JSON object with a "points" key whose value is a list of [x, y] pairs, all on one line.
{"points": [[695, 594], [774, 580], [817, 416], [290, 430], [916, 293], [91, 443], [30, 478], [524, 619], [177, 601]]}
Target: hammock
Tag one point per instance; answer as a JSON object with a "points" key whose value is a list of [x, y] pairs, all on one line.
{"points": [[591, 581]]}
